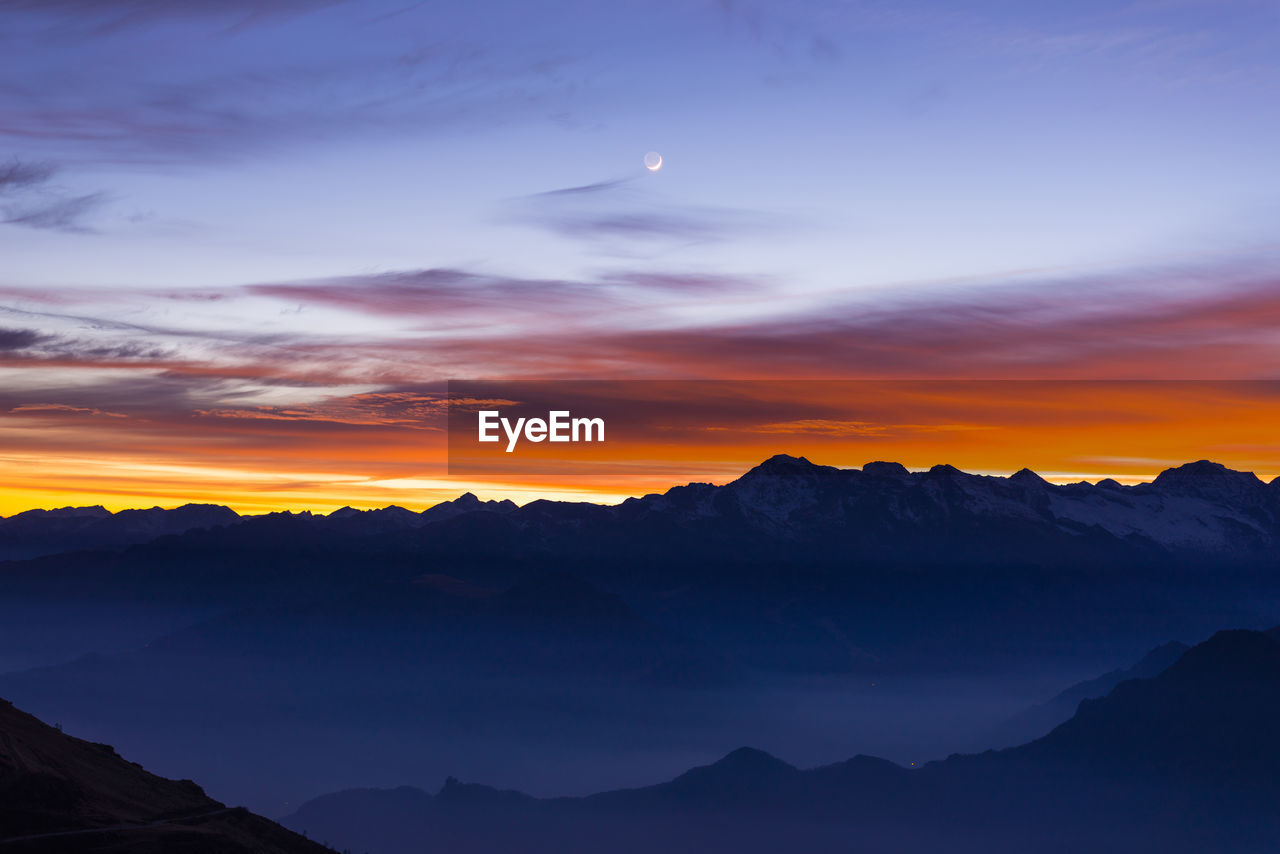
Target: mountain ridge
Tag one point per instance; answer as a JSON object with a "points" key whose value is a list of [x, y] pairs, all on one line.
{"points": [[1075, 786], [1199, 507]]}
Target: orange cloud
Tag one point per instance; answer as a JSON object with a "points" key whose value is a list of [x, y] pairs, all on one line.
{"points": [[307, 419]]}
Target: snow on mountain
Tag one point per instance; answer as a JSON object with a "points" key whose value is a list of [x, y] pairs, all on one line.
{"points": [[1201, 506]]}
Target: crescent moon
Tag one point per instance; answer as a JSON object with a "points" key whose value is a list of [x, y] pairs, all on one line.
{"points": [[653, 161]]}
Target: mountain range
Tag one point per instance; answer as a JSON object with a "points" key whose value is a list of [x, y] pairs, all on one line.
{"points": [[39, 532], [1201, 508], [1182, 761], [577, 647]]}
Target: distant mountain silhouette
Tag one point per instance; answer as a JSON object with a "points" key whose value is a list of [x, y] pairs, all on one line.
{"points": [[40, 532], [794, 565], [1183, 761], [1198, 508], [1045, 716], [1210, 715], [526, 633], [61, 794]]}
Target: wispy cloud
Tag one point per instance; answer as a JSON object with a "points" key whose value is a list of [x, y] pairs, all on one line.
{"points": [[1188, 324], [56, 214], [414, 410], [16, 175], [30, 197], [64, 408], [446, 298], [584, 189], [19, 339], [622, 212], [249, 88], [1124, 325], [98, 15]]}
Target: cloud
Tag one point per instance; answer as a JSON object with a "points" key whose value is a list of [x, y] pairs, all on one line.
{"points": [[1090, 328], [1149, 324], [621, 211], [112, 14], [413, 410], [16, 175], [64, 408], [447, 297], [821, 427], [56, 214], [428, 325], [121, 95], [151, 395], [29, 197], [689, 225], [19, 339], [584, 189]]}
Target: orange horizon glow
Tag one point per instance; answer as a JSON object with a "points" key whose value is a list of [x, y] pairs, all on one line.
{"points": [[1107, 376], [316, 462]]}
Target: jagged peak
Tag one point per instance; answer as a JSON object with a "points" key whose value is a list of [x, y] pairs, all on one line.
{"points": [[96, 511], [1166, 651], [348, 511], [467, 502], [1027, 477], [881, 468], [470, 501], [1230, 653], [1204, 470], [750, 761], [455, 790], [786, 463], [944, 470]]}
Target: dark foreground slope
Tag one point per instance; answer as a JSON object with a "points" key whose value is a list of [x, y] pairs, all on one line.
{"points": [[62, 794], [1185, 761]]}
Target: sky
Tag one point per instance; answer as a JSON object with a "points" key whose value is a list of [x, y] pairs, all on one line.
{"points": [[244, 245]]}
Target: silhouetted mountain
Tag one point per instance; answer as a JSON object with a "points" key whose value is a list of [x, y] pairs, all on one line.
{"points": [[1197, 509], [61, 794], [793, 565], [352, 522], [1184, 761], [478, 627], [1210, 715], [41, 532], [746, 775], [1212, 481], [466, 503], [1043, 717]]}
